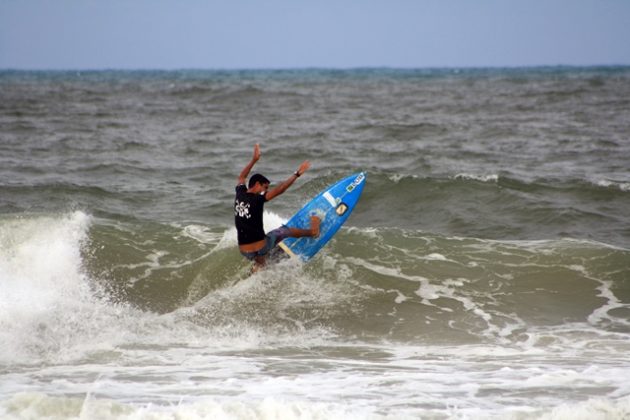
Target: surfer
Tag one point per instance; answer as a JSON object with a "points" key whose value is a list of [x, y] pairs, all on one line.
{"points": [[253, 243]]}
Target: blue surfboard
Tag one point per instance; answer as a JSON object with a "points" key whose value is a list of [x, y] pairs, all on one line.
{"points": [[332, 206]]}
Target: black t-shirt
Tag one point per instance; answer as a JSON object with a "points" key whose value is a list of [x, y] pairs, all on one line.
{"points": [[248, 215]]}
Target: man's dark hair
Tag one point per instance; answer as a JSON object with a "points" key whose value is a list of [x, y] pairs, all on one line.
{"points": [[257, 178]]}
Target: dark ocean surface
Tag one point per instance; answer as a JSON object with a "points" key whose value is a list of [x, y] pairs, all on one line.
{"points": [[485, 272]]}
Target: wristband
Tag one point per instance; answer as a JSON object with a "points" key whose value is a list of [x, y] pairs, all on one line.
{"points": [[296, 173]]}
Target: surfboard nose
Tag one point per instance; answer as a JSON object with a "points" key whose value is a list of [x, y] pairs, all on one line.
{"points": [[333, 206]]}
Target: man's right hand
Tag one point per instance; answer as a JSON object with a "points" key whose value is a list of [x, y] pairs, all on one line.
{"points": [[303, 167], [256, 153]]}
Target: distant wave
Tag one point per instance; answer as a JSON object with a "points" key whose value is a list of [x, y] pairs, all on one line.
{"points": [[475, 177], [623, 186]]}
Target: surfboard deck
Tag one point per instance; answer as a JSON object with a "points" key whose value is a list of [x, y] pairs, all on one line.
{"points": [[333, 206]]}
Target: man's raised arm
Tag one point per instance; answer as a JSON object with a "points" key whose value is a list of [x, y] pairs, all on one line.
{"points": [[247, 169], [286, 184]]}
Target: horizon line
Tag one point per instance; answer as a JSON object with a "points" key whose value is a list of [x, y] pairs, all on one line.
{"points": [[311, 68]]}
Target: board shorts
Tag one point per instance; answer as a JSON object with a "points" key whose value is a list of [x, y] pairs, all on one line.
{"points": [[272, 239]]}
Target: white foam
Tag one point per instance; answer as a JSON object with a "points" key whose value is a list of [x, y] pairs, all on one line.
{"points": [[277, 293], [602, 313], [48, 308], [37, 405], [396, 178], [623, 186], [435, 257], [40, 263], [476, 177], [593, 409], [372, 233], [202, 234], [430, 292]]}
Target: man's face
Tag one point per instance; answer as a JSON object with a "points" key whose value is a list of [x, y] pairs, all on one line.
{"points": [[262, 188]]}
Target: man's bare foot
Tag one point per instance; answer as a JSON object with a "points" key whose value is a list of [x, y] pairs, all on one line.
{"points": [[315, 222], [259, 264]]}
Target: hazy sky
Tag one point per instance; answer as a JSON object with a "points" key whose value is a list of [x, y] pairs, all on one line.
{"points": [[168, 34]]}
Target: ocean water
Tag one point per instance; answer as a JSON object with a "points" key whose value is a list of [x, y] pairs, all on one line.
{"points": [[485, 273]]}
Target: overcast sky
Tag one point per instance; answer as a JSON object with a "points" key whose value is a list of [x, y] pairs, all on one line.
{"points": [[236, 34]]}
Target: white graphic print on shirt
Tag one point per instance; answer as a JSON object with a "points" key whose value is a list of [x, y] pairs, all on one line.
{"points": [[242, 209]]}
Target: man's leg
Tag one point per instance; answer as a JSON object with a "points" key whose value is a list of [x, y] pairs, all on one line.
{"points": [[278, 235], [313, 232]]}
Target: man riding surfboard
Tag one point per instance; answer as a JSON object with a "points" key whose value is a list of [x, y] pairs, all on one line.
{"points": [[253, 243]]}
